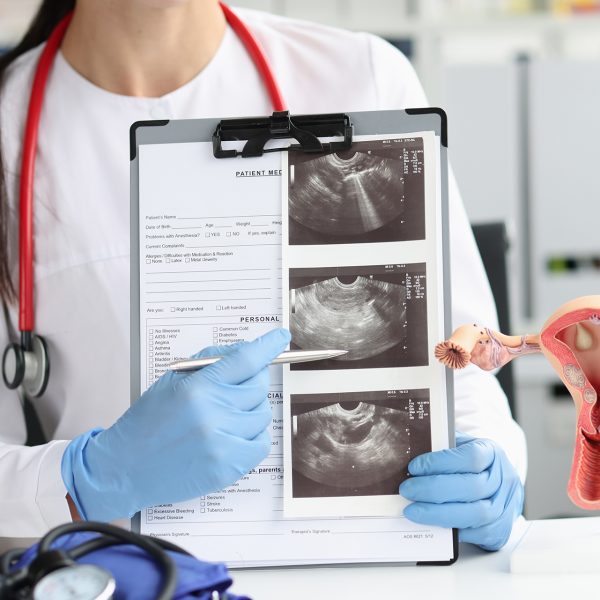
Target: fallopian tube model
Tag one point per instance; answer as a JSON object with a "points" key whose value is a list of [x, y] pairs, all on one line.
{"points": [[570, 340]]}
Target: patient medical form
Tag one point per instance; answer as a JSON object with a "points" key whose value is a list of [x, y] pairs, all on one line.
{"points": [[210, 273]]}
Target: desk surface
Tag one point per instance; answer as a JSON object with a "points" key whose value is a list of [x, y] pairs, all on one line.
{"points": [[476, 575]]}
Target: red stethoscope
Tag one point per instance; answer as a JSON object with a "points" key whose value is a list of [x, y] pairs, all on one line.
{"points": [[27, 364]]}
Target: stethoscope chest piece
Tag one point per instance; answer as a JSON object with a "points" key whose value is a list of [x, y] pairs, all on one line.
{"points": [[27, 368]]}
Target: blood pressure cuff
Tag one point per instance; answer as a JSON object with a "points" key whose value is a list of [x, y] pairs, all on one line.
{"points": [[137, 575]]}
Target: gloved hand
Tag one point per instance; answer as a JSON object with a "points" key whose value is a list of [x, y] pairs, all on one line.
{"points": [[472, 487], [186, 436]]}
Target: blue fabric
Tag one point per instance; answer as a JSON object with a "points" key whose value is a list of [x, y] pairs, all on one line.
{"points": [[472, 487], [137, 574], [188, 435]]}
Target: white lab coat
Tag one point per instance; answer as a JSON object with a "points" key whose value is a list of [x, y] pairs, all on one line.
{"points": [[82, 233]]}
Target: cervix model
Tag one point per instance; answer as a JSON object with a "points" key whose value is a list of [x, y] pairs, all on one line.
{"points": [[570, 340]]}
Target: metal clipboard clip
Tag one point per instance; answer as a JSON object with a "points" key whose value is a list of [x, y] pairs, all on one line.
{"points": [[305, 129]]}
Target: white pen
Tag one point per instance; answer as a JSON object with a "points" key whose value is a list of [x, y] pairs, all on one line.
{"points": [[289, 356]]}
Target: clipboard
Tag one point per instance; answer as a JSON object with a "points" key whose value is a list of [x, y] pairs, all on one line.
{"points": [[157, 247]]}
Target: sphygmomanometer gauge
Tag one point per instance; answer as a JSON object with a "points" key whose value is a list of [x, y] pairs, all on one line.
{"points": [[76, 582]]}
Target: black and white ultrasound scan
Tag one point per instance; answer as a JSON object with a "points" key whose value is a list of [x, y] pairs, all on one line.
{"points": [[362, 260], [356, 443], [374, 192], [378, 314]]}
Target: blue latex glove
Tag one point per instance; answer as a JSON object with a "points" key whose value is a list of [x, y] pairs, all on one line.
{"points": [[472, 487], [186, 436]]}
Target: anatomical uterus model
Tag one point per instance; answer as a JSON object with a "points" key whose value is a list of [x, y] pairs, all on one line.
{"points": [[570, 340]]}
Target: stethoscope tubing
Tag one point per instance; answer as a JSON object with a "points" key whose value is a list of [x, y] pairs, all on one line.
{"points": [[26, 233], [258, 57]]}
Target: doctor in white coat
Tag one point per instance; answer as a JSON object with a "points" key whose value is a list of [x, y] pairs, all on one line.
{"points": [[130, 60]]}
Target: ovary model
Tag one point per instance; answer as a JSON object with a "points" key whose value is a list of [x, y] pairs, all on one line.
{"points": [[570, 340]]}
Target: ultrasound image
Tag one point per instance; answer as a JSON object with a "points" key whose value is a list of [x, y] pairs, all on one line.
{"points": [[377, 314], [373, 192], [357, 443]]}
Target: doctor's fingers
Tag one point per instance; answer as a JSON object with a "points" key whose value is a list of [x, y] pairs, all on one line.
{"points": [[248, 359], [463, 438], [489, 537], [472, 457], [459, 487], [172, 378], [246, 424], [204, 392], [247, 454], [211, 351], [245, 396], [455, 514]]}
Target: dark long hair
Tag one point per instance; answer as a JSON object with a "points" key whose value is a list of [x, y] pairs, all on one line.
{"points": [[46, 19]]}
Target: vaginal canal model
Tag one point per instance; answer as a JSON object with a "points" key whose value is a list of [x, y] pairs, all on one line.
{"points": [[570, 340]]}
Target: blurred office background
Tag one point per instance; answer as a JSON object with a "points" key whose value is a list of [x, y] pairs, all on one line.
{"points": [[520, 81]]}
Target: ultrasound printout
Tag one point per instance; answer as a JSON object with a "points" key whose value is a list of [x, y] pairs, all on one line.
{"points": [[373, 192], [377, 313], [356, 443], [361, 267]]}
